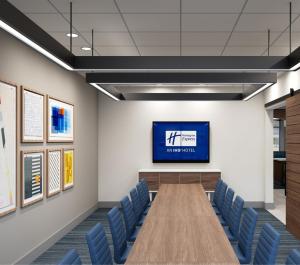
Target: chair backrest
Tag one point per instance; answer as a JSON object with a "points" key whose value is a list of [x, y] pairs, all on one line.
{"points": [[136, 204], [71, 258], [146, 188], [141, 193], [247, 232], [267, 246], [217, 190], [221, 196], [118, 233], [293, 258], [129, 216], [98, 246], [227, 204], [235, 216]]}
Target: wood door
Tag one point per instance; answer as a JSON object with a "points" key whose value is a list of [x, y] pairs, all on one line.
{"points": [[293, 165]]}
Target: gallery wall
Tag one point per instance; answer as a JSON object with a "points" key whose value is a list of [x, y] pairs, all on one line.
{"points": [[241, 133], [24, 230]]}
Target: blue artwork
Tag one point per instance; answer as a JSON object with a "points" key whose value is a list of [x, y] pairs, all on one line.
{"points": [[61, 120]]}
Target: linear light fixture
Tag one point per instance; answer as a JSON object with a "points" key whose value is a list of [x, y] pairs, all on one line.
{"points": [[104, 91], [258, 91], [35, 46], [295, 67]]}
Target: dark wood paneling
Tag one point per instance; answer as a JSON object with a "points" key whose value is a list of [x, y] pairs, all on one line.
{"points": [[293, 129], [293, 148], [293, 120], [293, 139], [279, 114], [187, 178], [292, 176], [295, 110], [209, 180], [294, 167], [152, 179], [169, 178]]}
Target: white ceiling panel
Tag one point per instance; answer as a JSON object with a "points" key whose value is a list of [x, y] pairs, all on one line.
{"points": [[212, 6], [284, 40], [85, 6], [50, 22], [208, 22], [156, 38], [117, 51], [272, 6], [149, 6], [243, 51], [63, 39], [296, 25], [110, 38], [201, 51], [279, 51], [152, 22], [204, 38], [251, 38], [159, 51], [33, 6], [98, 22]]}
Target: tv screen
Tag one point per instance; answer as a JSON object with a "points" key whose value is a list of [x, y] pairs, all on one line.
{"points": [[180, 142]]}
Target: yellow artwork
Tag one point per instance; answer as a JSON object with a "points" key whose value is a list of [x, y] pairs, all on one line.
{"points": [[68, 168]]}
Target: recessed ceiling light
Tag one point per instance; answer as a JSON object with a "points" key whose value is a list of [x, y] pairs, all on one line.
{"points": [[85, 48], [74, 35]]}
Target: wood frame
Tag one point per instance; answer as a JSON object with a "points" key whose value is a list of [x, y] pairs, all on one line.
{"points": [[23, 204], [48, 116], [22, 115], [71, 186], [48, 194], [4, 213]]}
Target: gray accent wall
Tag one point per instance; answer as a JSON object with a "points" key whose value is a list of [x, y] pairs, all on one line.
{"points": [[24, 231]]}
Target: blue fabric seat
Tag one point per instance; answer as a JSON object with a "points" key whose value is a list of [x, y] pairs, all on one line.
{"points": [[293, 258], [232, 230], [71, 258], [221, 198], [267, 246], [216, 193], [98, 246], [130, 220], [243, 249], [121, 247], [224, 217], [142, 197], [137, 207], [146, 190]]}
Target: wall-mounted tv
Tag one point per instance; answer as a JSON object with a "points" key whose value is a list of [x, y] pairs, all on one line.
{"points": [[180, 142]]}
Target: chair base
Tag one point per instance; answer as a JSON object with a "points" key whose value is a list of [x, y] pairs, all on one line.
{"points": [[241, 257]]}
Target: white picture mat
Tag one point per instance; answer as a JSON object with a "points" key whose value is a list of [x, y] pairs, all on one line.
{"points": [[8, 153], [54, 171], [33, 116]]}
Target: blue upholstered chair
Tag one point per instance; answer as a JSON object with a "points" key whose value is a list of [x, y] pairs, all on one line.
{"points": [[232, 230], [146, 189], [71, 258], [98, 246], [216, 193], [121, 247], [142, 197], [137, 207], [293, 258], [225, 211], [267, 246], [130, 220], [221, 198], [243, 249]]}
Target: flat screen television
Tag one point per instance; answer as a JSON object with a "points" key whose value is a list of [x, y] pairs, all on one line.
{"points": [[180, 141]]}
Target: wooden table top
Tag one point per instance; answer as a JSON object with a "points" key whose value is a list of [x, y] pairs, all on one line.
{"points": [[181, 228]]}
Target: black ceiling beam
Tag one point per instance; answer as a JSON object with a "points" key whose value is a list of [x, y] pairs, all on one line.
{"points": [[181, 78], [21, 23], [294, 58]]}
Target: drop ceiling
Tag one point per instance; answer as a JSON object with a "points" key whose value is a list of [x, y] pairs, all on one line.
{"points": [[169, 27]]}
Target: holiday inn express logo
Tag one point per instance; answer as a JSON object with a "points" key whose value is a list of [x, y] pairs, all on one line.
{"points": [[181, 138]]}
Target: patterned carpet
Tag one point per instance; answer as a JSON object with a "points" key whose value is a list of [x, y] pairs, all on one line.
{"points": [[76, 238]]}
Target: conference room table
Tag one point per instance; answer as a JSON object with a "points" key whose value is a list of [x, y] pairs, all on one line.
{"points": [[181, 228]]}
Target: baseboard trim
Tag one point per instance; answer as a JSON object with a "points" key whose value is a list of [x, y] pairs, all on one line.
{"points": [[269, 205], [254, 204], [34, 253], [109, 204]]}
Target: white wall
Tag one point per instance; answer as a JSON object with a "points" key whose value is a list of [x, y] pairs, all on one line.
{"points": [[238, 131]]}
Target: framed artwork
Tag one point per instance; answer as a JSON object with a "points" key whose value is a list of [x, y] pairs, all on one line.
{"points": [[60, 121], [68, 156], [32, 177], [8, 148], [54, 172], [32, 116]]}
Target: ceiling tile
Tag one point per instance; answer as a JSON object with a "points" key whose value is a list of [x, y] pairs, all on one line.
{"points": [[149, 6], [33, 6], [152, 22], [50, 22], [118, 51], [63, 39], [251, 38], [201, 51], [271, 6], [296, 25], [212, 6], [284, 40], [86, 6], [204, 38], [79, 52], [159, 51], [279, 51], [208, 22], [243, 51], [156, 38], [110, 38], [98, 22]]}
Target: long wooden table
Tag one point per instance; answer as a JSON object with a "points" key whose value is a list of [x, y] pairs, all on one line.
{"points": [[181, 228]]}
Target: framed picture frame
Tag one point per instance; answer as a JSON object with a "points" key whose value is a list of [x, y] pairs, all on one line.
{"points": [[68, 164], [32, 177], [33, 109], [60, 121], [8, 147], [54, 172]]}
